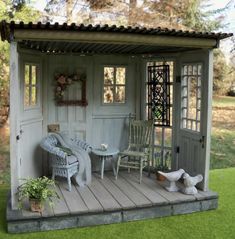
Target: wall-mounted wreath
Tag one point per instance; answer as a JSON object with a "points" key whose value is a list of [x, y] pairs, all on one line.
{"points": [[63, 82]]}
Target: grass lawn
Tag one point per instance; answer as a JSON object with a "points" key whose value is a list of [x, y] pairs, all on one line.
{"points": [[216, 224], [223, 101], [223, 133]]}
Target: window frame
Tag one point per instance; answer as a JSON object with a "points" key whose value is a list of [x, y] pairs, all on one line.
{"points": [[31, 86], [114, 85], [197, 119]]}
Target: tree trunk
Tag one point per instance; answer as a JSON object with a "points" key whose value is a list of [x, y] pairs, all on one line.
{"points": [[132, 12], [69, 11]]}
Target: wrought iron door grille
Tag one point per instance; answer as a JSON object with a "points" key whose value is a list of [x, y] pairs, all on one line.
{"points": [[159, 94]]}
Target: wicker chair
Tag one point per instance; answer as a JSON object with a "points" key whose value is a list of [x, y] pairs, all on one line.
{"points": [[64, 163], [138, 153]]}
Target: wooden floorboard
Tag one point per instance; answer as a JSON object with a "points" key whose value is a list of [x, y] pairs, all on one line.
{"points": [[205, 195], [60, 207], [152, 183], [90, 200], [103, 196], [180, 196], [122, 198], [148, 192], [73, 199], [138, 198]]}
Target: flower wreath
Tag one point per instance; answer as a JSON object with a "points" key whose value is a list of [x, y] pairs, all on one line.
{"points": [[62, 83]]}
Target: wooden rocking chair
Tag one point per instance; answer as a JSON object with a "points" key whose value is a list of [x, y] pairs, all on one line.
{"points": [[138, 153]]}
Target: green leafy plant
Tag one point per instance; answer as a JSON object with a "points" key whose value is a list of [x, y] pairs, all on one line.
{"points": [[163, 168], [41, 189]]}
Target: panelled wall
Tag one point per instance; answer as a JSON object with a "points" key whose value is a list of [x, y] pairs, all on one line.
{"points": [[98, 122]]}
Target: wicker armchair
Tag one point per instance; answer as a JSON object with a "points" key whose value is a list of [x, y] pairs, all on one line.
{"points": [[64, 162]]}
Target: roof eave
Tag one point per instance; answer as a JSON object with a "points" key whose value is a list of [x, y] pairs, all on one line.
{"points": [[114, 38]]}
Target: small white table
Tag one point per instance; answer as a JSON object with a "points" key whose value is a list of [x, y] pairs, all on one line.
{"points": [[105, 155]]}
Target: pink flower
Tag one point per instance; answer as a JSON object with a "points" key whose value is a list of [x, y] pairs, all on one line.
{"points": [[61, 80]]}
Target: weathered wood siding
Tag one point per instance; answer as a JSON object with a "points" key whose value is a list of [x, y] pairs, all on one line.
{"points": [[96, 123]]}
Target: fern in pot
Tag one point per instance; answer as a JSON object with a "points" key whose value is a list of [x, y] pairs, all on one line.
{"points": [[37, 191]]}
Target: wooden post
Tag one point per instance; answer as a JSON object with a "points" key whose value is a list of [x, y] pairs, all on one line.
{"points": [[208, 116], [14, 122]]}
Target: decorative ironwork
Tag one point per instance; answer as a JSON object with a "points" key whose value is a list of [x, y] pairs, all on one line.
{"points": [[159, 94]]}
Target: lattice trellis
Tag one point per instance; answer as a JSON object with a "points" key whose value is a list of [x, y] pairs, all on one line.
{"points": [[159, 94]]}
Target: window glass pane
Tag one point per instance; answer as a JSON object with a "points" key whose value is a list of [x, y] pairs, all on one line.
{"points": [[108, 75], [120, 94], [26, 96], [192, 98], [26, 74], [190, 70], [33, 95], [108, 94], [184, 81], [34, 75], [199, 69], [120, 75], [195, 70]]}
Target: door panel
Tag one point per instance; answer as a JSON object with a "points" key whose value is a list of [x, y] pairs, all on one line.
{"points": [[72, 119], [193, 121], [31, 153], [31, 118]]}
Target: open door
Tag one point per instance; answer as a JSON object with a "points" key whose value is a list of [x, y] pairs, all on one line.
{"points": [[31, 119], [193, 107]]}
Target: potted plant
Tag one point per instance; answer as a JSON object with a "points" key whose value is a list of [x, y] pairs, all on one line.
{"points": [[37, 191], [162, 168], [162, 164]]}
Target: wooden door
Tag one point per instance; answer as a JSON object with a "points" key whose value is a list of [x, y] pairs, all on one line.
{"points": [[31, 120], [193, 106], [72, 119]]}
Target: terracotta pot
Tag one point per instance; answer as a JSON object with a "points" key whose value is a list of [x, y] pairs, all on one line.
{"points": [[160, 177], [36, 205]]}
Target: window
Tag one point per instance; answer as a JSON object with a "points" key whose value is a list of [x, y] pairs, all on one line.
{"points": [[191, 96], [30, 85], [114, 85]]}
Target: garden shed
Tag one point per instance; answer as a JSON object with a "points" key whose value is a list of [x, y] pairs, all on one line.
{"points": [[115, 73]]}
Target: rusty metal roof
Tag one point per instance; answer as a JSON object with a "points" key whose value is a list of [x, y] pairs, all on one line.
{"points": [[7, 30]]}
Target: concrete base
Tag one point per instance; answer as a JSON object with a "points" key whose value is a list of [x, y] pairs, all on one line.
{"points": [[17, 223]]}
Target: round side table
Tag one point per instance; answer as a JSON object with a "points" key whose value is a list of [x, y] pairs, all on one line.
{"points": [[105, 155]]}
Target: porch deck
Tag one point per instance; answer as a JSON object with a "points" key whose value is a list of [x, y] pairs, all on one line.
{"points": [[109, 201]]}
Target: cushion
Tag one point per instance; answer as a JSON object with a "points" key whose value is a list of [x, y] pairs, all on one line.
{"points": [[68, 151], [72, 159]]}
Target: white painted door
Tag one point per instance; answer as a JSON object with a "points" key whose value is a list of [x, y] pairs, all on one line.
{"points": [[72, 119], [193, 118], [31, 119]]}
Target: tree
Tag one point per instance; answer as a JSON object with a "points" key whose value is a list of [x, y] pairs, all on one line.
{"points": [[222, 71], [10, 10]]}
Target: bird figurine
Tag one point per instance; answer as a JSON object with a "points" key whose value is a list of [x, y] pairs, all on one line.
{"points": [[190, 182], [172, 177]]}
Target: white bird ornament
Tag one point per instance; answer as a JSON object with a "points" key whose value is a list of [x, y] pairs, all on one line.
{"points": [[172, 177], [190, 182]]}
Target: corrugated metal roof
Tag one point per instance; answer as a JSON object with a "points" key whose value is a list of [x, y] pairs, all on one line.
{"points": [[7, 30], [60, 47]]}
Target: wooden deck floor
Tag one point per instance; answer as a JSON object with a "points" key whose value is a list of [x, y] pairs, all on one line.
{"points": [[107, 201]]}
